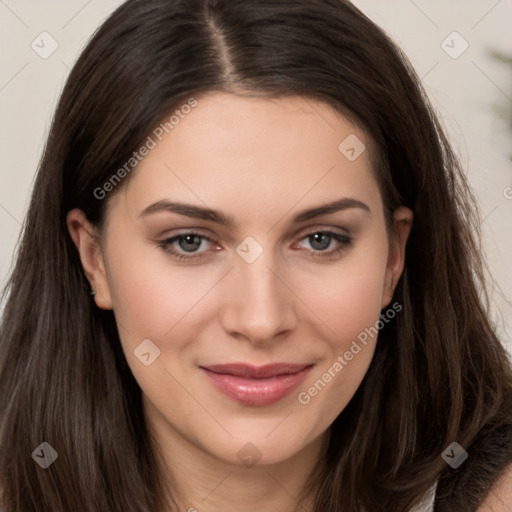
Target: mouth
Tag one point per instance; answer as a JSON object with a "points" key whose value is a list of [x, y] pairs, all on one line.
{"points": [[256, 385]]}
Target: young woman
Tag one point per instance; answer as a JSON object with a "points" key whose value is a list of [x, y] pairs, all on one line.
{"points": [[248, 280]]}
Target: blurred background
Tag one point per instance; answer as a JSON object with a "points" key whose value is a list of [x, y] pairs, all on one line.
{"points": [[461, 49]]}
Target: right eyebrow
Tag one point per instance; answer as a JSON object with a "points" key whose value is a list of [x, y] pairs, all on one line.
{"points": [[189, 210]]}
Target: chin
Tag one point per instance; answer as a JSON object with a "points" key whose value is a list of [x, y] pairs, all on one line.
{"points": [[257, 447]]}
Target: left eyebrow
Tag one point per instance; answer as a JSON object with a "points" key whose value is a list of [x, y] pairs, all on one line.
{"points": [[336, 206], [199, 212]]}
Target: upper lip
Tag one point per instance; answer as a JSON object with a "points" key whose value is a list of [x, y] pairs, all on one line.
{"points": [[256, 372]]}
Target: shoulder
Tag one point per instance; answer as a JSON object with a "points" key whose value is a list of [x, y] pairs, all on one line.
{"points": [[499, 498]]}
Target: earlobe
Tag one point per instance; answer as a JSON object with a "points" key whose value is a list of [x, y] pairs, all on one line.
{"points": [[403, 219], [89, 248]]}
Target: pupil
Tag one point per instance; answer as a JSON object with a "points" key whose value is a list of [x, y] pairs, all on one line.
{"points": [[193, 241], [316, 242]]}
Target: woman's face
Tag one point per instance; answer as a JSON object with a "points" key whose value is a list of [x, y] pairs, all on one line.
{"points": [[246, 306]]}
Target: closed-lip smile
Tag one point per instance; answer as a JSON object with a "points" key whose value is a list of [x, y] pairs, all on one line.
{"points": [[256, 385]]}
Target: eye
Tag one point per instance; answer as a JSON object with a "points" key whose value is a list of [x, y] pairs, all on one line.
{"points": [[327, 244], [185, 245]]}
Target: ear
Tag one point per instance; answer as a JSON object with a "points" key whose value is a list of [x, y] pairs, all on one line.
{"points": [[402, 219], [83, 234]]}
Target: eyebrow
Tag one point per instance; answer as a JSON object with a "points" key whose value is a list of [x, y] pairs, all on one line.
{"points": [[199, 212]]}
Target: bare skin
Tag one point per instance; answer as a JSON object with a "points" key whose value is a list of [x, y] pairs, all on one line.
{"points": [[260, 162]]}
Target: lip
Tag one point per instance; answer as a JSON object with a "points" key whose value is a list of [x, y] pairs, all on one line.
{"points": [[257, 385]]}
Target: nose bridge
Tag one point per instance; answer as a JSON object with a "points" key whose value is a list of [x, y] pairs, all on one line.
{"points": [[259, 281]]}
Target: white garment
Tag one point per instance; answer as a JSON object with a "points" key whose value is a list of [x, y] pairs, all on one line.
{"points": [[427, 504]]}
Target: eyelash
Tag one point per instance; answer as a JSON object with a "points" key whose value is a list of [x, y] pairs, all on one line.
{"points": [[344, 241]]}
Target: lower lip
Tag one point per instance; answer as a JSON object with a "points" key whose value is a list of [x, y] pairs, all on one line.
{"points": [[257, 392]]}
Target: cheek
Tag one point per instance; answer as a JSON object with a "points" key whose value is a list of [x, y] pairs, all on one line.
{"points": [[151, 295], [349, 306], [347, 296], [350, 302]]}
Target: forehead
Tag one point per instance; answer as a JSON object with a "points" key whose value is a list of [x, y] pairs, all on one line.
{"points": [[251, 153]]}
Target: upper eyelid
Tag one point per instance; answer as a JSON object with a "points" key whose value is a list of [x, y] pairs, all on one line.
{"points": [[304, 231]]}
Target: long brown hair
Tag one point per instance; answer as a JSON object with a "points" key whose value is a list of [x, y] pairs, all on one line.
{"points": [[439, 373]]}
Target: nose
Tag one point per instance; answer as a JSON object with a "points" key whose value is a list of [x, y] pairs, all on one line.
{"points": [[259, 305]]}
